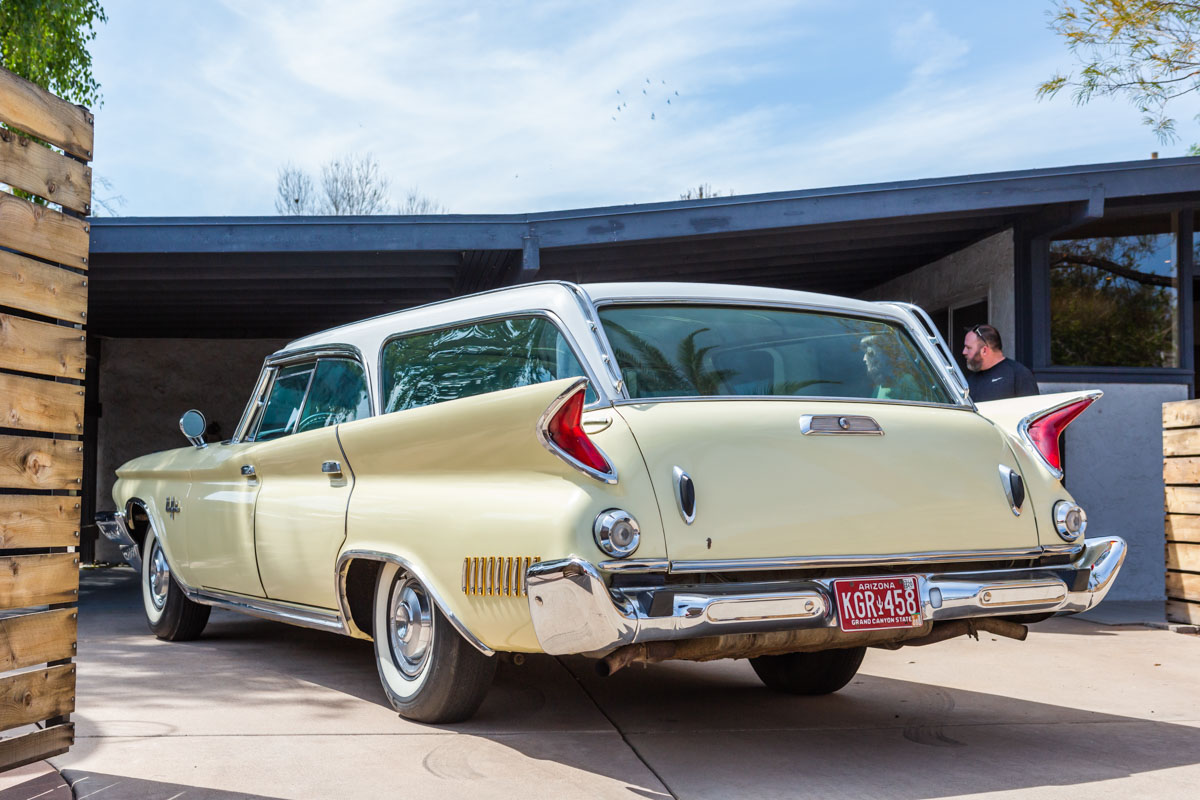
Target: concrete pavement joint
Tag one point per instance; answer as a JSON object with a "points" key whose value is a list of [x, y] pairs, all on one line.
{"points": [[620, 732]]}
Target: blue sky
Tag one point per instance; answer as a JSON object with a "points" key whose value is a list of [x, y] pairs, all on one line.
{"points": [[509, 107]]}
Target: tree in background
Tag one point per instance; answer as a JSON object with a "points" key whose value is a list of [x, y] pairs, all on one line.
{"points": [[46, 42], [702, 191], [1147, 51], [350, 185]]}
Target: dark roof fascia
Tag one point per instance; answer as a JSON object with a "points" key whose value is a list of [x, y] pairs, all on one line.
{"points": [[952, 196]]}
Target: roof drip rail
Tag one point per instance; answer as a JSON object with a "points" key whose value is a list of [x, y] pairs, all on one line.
{"points": [[935, 338]]}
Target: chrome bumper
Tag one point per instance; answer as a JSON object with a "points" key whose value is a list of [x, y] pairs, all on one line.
{"points": [[112, 525], [574, 611]]}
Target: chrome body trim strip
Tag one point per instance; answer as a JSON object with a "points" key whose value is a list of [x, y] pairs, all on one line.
{"points": [[883, 560], [609, 477], [839, 425], [303, 616], [112, 525], [374, 555], [635, 565], [574, 611], [1027, 440]]}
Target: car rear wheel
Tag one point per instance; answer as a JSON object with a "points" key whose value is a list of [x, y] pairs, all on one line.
{"points": [[429, 672], [809, 673], [170, 615]]}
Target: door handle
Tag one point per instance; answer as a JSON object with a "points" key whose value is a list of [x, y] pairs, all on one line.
{"points": [[247, 471], [332, 469]]}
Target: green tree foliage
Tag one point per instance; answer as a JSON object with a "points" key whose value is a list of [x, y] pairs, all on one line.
{"points": [[1105, 310], [46, 42], [1147, 51]]}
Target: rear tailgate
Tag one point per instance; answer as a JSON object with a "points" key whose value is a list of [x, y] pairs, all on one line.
{"points": [[764, 489]]}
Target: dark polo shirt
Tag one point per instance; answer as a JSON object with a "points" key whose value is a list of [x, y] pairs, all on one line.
{"points": [[1006, 379]]}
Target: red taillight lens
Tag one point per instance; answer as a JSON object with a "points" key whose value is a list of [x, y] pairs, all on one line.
{"points": [[1045, 430], [565, 432]]}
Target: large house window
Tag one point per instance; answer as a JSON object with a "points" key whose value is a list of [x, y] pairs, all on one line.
{"points": [[1114, 295]]}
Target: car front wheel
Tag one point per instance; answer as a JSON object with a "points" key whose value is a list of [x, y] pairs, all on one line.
{"points": [[430, 673], [170, 615], [823, 672]]}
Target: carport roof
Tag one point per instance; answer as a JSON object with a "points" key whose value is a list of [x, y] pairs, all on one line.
{"points": [[285, 276]]}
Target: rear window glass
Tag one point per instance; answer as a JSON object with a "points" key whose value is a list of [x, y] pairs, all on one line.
{"points": [[434, 367], [697, 351]]}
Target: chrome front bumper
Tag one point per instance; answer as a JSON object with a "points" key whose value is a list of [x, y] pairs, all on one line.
{"points": [[574, 611], [112, 525]]}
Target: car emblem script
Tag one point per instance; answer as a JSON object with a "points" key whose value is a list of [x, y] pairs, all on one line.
{"points": [[172, 507]]}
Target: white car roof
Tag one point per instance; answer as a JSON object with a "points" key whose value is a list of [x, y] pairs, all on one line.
{"points": [[366, 334]]}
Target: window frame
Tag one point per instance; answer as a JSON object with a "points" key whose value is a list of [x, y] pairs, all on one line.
{"points": [[919, 342], [247, 430], [600, 401]]}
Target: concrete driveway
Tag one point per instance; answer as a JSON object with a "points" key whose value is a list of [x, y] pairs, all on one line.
{"points": [[262, 710]]}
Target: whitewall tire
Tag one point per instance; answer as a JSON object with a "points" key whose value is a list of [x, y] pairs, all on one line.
{"points": [[169, 613]]}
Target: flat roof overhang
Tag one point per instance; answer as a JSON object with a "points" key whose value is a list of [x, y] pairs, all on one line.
{"points": [[285, 276]]}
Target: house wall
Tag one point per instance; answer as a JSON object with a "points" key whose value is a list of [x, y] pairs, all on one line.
{"points": [[983, 269], [1114, 470], [147, 384]]}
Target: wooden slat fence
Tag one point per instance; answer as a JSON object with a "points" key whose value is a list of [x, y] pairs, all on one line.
{"points": [[1181, 474], [43, 308]]}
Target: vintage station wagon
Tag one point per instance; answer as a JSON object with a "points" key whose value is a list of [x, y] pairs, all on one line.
{"points": [[636, 472]]}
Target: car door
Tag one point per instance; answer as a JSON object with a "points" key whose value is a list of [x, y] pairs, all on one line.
{"points": [[300, 515]]}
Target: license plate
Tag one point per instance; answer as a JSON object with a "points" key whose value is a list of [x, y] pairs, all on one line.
{"points": [[876, 603]]}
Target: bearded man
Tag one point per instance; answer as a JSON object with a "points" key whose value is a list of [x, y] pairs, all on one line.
{"points": [[991, 375]]}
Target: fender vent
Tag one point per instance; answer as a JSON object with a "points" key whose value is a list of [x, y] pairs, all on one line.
{"points": [[496, 576]]}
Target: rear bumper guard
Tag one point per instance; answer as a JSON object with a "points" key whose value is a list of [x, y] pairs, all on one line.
{"points": [[574, 611]]}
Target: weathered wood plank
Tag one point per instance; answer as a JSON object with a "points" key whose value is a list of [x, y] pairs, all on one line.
{"points": [[1181, 414], [1180, 611], [1183, 499], [31, 346], [18, 751], [38, 520], [28, 462], [1183, 556], [28, 107], [42, 288], [1181, 442], [38, 580], [39, 638], [31, 404], [37, 695], [1183, 470], [1183, 528], [43, 232], [1183, 586], [37, 169]]}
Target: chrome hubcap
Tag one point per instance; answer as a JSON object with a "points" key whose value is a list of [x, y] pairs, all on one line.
{"points": [[410, 626], [160, 577]]}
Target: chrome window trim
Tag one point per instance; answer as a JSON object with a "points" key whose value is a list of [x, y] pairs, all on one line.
{"points": [[904, 321], [1027, 440], [591, 314], [945, 361], [342, 568], [603, 398], [881, 560], [267, 399]]}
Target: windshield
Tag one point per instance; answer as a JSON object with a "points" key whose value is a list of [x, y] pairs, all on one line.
{"points": [[696, 351]]}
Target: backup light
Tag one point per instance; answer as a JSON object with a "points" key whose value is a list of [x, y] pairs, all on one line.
{"points": [[1069, 520], [616, 533]]}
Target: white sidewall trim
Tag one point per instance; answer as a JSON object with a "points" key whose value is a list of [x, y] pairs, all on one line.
{"points": [[396, 683]]}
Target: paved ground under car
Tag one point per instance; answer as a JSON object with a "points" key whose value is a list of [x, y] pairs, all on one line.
{"points": [[256, 709]]}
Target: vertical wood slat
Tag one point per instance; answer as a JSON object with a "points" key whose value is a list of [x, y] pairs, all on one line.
{"points": [[30, 108], [32, 404], [38, 580], [1181, 479], [38, 520], [42, 288], [42, 348], [38, 638], [29, 697], [35, 168], [43, 232], [28, 462], [18, 751]]}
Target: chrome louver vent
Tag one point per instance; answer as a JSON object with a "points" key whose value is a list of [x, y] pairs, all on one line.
{"points": [[496, 576]]}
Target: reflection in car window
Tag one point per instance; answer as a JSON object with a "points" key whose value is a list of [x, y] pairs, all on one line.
{"points": [[338, 394], [443, 365], [690, 351], [283, 406]]}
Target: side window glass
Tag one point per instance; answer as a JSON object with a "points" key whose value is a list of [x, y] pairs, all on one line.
{"points": [[283, 405], [338, 394], [449, 364]]}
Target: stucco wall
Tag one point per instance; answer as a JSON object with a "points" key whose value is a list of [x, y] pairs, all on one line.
{"points": [[146, 384], [1114, 470], [984, 269]]}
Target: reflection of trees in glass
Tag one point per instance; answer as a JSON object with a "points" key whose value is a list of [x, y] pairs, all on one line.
{"points": [[1113, 301], [659, 375]]}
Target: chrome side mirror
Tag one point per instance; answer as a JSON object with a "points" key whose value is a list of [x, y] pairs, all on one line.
{"points": [[193, 425]]}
